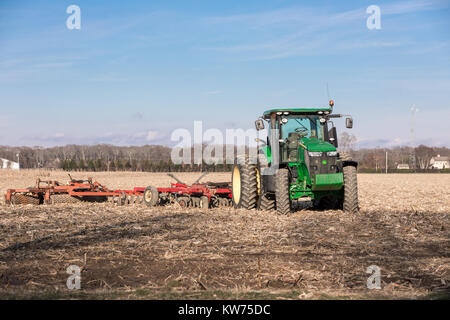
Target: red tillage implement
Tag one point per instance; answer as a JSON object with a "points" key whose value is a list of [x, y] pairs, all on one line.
{"points": [[49, 192]]}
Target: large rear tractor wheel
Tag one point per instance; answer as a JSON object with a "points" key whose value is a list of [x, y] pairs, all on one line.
{"points": [[244, 185], [350, 202], [151, 196], [282, 199]]}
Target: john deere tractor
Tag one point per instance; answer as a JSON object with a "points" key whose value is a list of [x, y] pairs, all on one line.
{"points": [[299, 161]]}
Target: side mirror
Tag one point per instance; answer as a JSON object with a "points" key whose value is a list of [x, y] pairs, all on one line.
{"points": [[259, 124], [332, 136], [261, 141], [349, 123]]}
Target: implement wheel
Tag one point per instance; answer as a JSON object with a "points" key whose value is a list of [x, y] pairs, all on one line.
{"points": [[204, 202], [151, 196], [184, 202], [244, 185]]}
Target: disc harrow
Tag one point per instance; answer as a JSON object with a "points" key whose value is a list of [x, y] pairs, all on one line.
{"points": [[197, 195]]}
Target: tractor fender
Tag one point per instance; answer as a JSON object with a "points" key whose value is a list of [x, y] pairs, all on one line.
{"points": [[352, 163]]}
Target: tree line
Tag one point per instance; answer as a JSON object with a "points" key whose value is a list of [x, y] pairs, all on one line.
{"points": [[103, 157], [157, 158]]}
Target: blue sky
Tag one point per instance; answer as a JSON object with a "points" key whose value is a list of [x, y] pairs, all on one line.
{"points": [[137, 70]]}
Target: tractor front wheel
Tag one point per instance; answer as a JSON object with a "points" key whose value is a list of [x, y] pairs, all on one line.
{"points": [[350, 202], [282, 198]]}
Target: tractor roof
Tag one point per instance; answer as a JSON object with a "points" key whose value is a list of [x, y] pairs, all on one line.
{"points": [[296, 111]]}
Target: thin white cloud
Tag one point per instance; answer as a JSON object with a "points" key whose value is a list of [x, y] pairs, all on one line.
{"points": [[153, 135], [372, 44], [20, 69], [316, 30], [413, 6], [59, 138], [400, 142]]}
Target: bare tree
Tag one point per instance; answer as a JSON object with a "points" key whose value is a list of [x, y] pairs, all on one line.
{"points": [[347, 141], [423, 156]]}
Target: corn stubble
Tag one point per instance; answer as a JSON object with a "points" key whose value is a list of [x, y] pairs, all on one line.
{"points": [[403, 227]]}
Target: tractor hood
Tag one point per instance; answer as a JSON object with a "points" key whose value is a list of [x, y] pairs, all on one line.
{"points": [[317, 145]]}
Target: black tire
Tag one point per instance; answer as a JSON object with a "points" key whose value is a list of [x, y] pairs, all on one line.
{"points": [[151, 196], [282, 198], [204, 202], [266, 202], [345, 156], [350, 203], [244, 186]]}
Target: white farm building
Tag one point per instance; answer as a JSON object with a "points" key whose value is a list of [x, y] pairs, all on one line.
{"points": [[440, 162], [8, 164]]}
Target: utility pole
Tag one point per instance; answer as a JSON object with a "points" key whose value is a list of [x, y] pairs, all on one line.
{"points": [[386, 162], [412, 156], [18, 158]]}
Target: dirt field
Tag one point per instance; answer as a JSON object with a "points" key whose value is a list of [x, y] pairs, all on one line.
{"points": [[168, 252]]}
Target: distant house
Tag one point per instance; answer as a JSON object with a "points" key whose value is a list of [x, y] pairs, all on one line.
{"points": [[403, 166], [440, 162], [8, 164]]}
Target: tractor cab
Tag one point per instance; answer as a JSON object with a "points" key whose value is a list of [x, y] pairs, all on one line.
{"points": [[298, 130], [294, 130]]}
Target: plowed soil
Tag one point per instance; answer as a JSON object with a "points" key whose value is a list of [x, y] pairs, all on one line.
{"points": [[168, 252]]}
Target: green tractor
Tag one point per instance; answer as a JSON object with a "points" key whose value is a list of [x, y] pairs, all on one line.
{"points": [[299, 161]]}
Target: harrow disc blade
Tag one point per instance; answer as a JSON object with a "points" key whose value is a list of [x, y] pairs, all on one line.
{"points": [[24, 199], [63, 198]]}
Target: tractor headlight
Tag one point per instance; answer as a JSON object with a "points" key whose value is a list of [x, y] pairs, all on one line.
{"points": [[315, 153], [332, 153]]}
